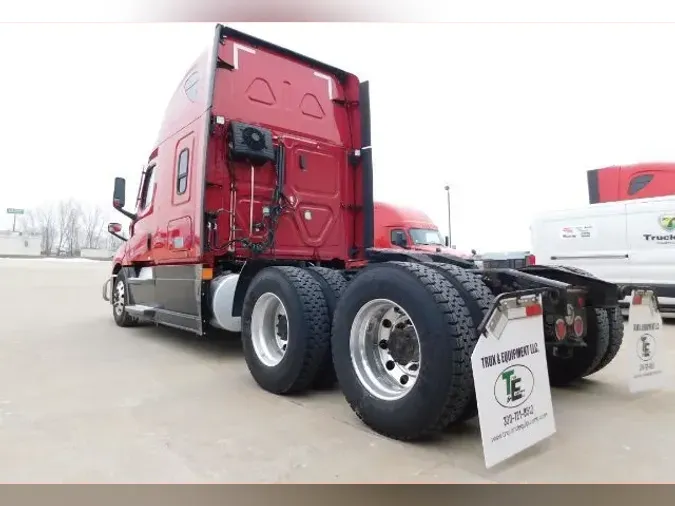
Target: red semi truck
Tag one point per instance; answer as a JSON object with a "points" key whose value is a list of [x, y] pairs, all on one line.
{"points": [[608, 184], [409, 228], [629, 182], [255, 214]]}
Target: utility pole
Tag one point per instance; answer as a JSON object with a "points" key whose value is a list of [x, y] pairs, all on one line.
{"points": [[447, 194]]}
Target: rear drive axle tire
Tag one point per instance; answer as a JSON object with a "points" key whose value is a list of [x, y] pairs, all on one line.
{"points": [[563, 371], [616, 330], [402, 341], [120, 301], [478, 299], [285, 329], [333, 284]]}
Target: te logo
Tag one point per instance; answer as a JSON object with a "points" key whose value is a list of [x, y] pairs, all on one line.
{"points": [[514, 392], [646, 347], [514, 386]]}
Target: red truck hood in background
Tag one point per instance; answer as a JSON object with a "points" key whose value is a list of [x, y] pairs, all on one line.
{"points": [[442, 249]]}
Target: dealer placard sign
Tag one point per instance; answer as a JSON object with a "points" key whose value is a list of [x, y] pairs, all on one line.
{"points": [[644, 342], [512, 386]]}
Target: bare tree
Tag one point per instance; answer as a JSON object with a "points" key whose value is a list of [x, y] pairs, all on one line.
{"points": [[67, 227], [69, 230], [41, 221], [92, 227], [30, 222], [112, 243], [74, 231]]}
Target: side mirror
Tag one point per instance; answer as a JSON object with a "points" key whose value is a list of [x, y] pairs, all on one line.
{"points": [[114, 229], [119, 193], [400, 240], [119, 198], [447, 241], [473, 252]]}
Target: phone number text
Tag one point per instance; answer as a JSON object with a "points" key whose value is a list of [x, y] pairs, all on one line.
{"points": [[518, 415]]}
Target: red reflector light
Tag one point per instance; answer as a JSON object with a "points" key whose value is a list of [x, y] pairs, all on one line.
{"points": [[580, 302], [560, 330], [637, 300], [578, 326], [530, 260], [533, 310]]}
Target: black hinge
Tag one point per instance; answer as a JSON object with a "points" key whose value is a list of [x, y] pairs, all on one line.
{"points": [[352, 207], [345, 103], [354, 158], [215, 127], [222, 64]]}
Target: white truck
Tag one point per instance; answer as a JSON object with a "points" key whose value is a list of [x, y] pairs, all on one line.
{"points": [[629, 242]]}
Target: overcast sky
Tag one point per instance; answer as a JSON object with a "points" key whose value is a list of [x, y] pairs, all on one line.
{"points": [[511, 116]]}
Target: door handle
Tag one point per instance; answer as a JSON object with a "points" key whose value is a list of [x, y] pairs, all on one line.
{"points": [[591, 257], [149, 239]]}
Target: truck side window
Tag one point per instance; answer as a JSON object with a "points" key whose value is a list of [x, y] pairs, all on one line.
{"points": [[182, 172], [148, 190], [639, 182], [398, 236]]}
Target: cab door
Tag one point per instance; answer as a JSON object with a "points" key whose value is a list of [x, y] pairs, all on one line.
{"points": [[140, 242]]}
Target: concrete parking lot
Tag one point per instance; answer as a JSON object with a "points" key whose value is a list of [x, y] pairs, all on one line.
{"points": [[82, 400]]}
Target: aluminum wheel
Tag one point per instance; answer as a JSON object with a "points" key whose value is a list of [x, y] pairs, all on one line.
{"points": [[269, 329], [118, 298], [385, 349]]}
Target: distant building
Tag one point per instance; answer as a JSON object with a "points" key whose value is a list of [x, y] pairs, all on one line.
{"points": [[20, 244]]}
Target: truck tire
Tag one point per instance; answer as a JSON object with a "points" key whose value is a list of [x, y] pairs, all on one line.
{"points": [[478, 299], [392, 388], [285, 329], [563, 371], [616, 330], [333, 283], [120, 300]]}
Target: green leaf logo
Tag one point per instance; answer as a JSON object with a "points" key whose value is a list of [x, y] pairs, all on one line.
{"points": [[667, 222]]}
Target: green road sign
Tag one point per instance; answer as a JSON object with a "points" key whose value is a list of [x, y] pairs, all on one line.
{"points": [[11, 210]]}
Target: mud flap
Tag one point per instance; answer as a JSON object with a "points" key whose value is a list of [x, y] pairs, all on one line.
{"points": [[510, 373], [645, 342]]}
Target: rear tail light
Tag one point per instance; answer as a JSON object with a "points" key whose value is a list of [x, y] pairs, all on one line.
{"points": [[578, 326], [560, 329], [534, 310], [530, 260]]}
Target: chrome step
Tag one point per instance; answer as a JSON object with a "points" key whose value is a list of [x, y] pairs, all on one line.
{"points": [[142, 311]]}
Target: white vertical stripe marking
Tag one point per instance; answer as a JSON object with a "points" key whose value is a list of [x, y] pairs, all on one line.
{"points": [[329, 80], [235, 53]]}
